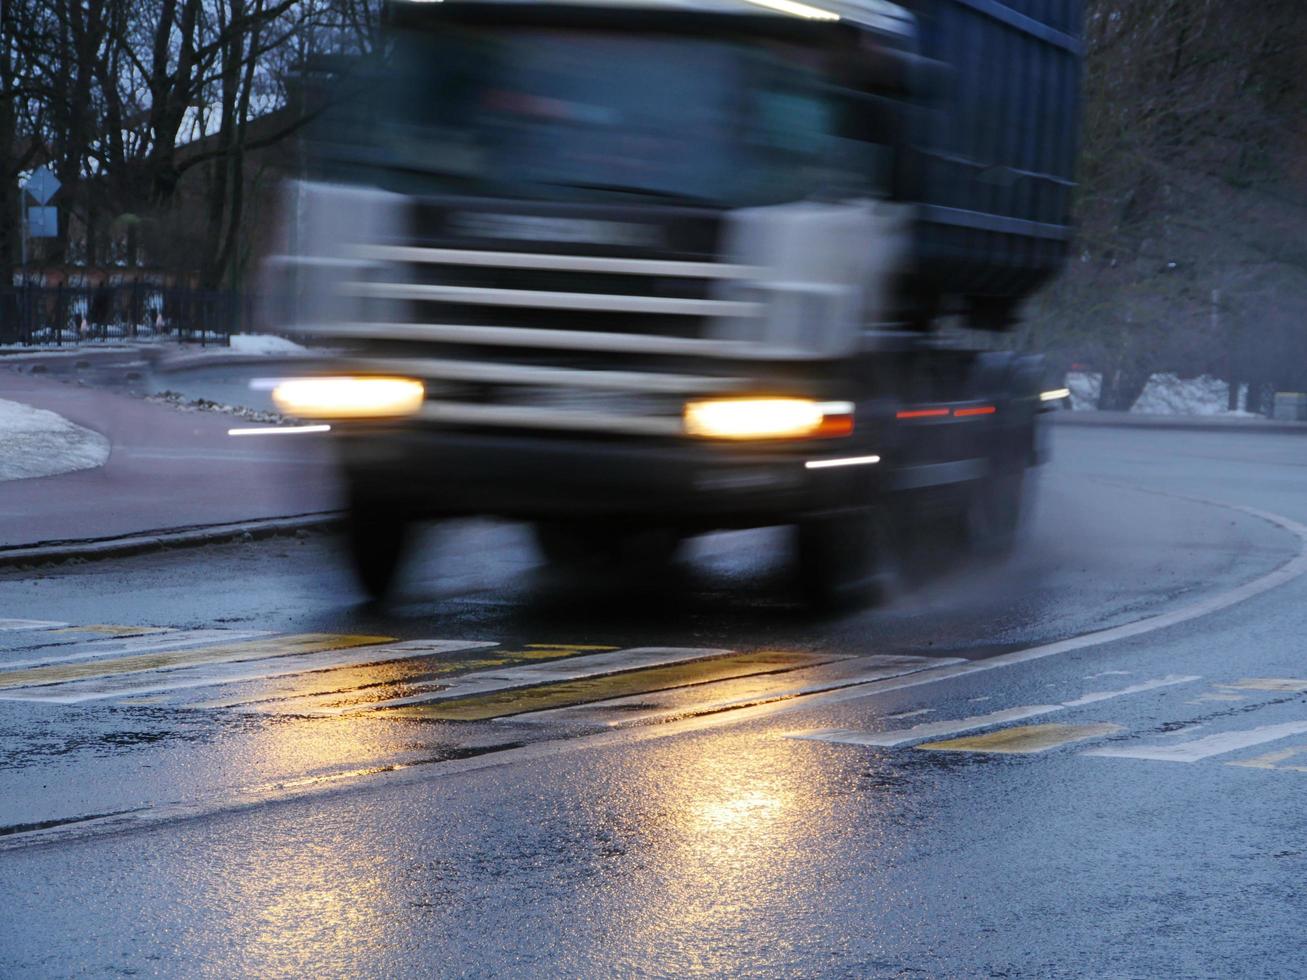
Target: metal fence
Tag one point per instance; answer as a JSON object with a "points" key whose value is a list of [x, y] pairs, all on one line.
{"points": [[59, 315]]}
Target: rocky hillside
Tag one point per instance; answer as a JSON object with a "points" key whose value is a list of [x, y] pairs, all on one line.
{"points": [[1192, 250]]}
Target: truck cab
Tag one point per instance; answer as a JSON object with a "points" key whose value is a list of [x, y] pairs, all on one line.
{"points": [[637, 271]]}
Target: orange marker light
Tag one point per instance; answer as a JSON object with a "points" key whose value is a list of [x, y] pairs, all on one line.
{"points": [[923, 413], [963, 413]]}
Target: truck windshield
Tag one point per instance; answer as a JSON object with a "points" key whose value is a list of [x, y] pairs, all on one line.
{"points": [[586, 115]]}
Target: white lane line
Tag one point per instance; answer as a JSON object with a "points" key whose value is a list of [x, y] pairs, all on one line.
{"points": [[614, 713], [505, 678], [212, 675], [149, 643], [1203, 748], [6, 625], [935, 729]]}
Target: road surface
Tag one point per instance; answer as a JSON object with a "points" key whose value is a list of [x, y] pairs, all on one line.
{"points": [[1090, 761]]}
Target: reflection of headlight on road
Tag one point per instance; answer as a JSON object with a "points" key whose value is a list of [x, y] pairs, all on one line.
{"points": [[349, 398], [767, 418]]}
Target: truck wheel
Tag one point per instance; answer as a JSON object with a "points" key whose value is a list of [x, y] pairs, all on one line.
{"points": [[377, 539], [584, 547], [994, 517], [842, 560]]}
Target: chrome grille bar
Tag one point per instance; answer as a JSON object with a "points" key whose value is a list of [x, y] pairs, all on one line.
{"points": [[493, 373], [577, 340], [540, 299], [557, 263]]}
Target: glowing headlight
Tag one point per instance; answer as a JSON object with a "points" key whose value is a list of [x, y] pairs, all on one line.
{"points": [[349, 398], [767, 418]]}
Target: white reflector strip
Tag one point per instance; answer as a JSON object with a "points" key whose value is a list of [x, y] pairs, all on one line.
{"points": [[279, 430], [826, 464]]}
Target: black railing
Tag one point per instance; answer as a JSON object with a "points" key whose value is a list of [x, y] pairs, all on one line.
{"points": [[59, 315]]}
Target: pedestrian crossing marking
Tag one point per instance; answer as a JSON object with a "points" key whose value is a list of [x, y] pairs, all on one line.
{"points": [[113, 646], [186, 677], [17, 625], [221, 653], [1203, 748], [1288, 684], [582, 690], [107, 629], [737, 692], [1023, 739], [929, 730], [355, 687], [1272, 760]]}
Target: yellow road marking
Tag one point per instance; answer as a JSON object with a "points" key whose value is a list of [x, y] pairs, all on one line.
{"points": [[277, 646], [107, 629], [1269, 684], [1023, 739], [568, 646], [562, 694], [1272, 760], [548, 651], [348, 686]]}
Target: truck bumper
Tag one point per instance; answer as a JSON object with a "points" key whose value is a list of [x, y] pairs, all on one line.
{"points": [[432, 474]]}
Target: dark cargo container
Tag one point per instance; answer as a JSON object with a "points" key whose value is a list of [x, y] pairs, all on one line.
{"points": [[993, 157]]}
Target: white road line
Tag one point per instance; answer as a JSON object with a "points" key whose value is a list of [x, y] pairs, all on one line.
{"points": [[212, 675], [7, 625], [935, 729], [504, 678], [882, 667], [116, 647], [1203, 748]]}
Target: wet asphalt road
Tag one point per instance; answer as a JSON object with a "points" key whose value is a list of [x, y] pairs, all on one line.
{"points": [[754, 801]]}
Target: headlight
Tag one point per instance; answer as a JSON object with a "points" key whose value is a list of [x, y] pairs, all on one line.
{"points": [[767, 418], [349, 398]]}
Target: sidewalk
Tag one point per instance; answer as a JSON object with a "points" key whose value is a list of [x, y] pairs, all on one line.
{"points": [[166, 469], [1189, 423]]}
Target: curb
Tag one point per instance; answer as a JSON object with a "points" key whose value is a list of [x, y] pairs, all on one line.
{"points": [[1182, 423], [134, 544]]}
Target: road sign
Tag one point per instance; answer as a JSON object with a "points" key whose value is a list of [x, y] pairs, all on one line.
{"points": [[42, 185], [43, 222]]}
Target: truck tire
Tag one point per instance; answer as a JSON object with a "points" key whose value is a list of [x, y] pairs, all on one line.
{"points": [[842, 560], [994, 517], [377, 538]]}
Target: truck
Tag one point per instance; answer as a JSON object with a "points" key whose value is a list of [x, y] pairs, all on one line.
{"points": [[637, 270]]}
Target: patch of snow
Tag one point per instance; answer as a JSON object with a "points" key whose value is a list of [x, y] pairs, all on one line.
{"points": [[262, 343], [1167, 394], [1084, 390], [34, 442]]}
